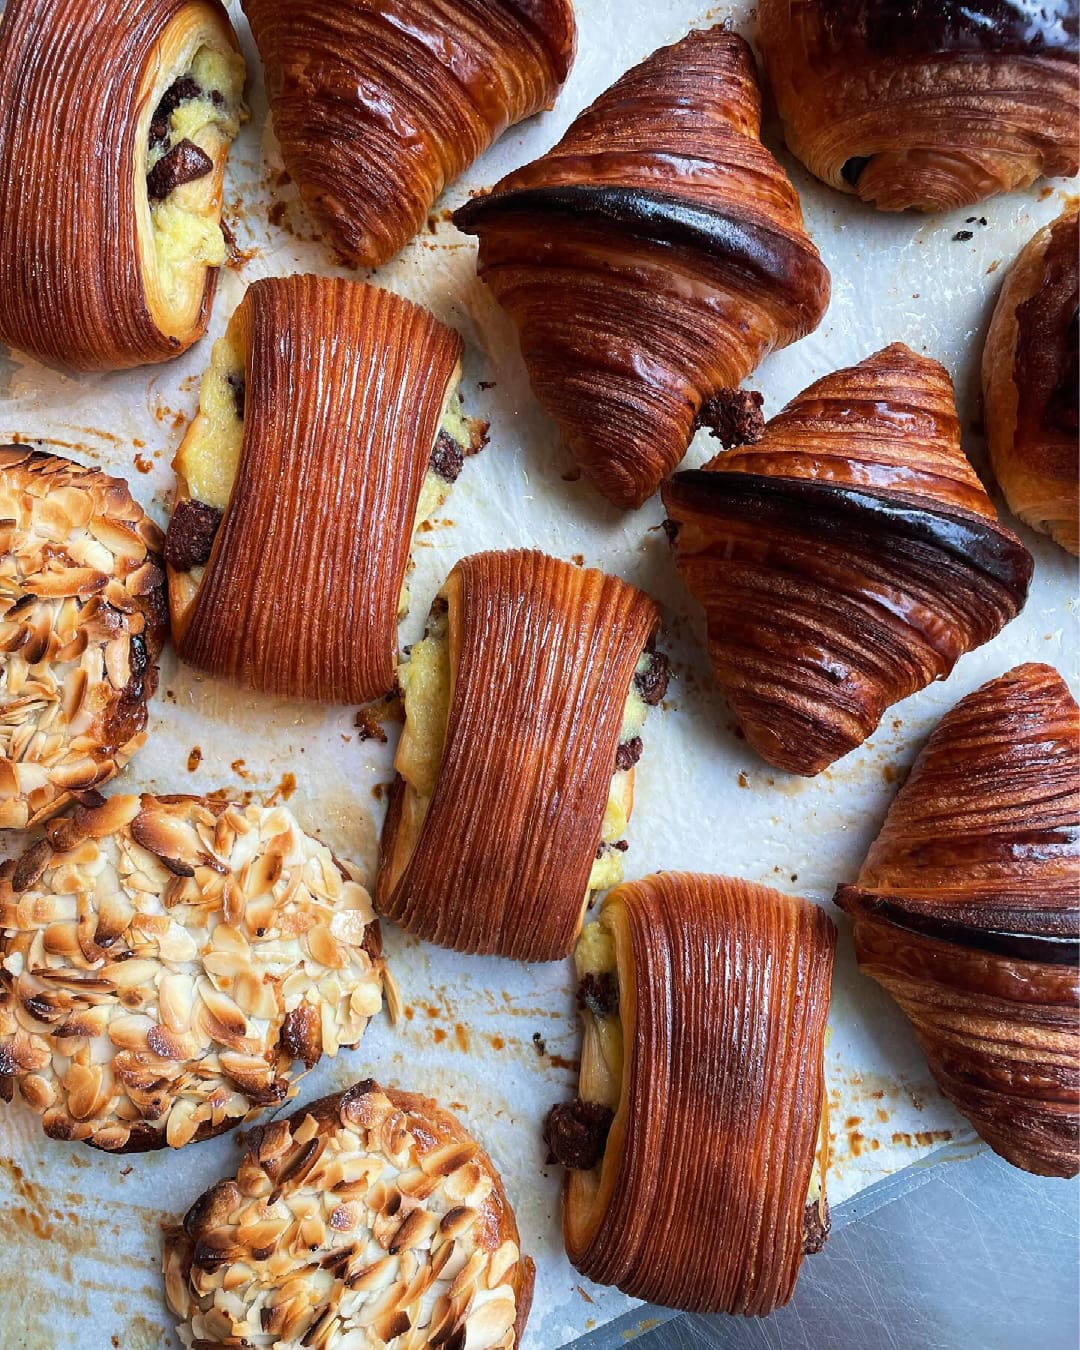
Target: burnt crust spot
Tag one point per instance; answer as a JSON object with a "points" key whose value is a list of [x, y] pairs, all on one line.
{"points": [[576, 1134], [734, 417], [447, 458], [189, 540], [184, 163]]}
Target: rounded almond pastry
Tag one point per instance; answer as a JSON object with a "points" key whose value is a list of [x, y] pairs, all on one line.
{"points": [[378, 105], [650, 260], [846, 560], [524, 706], [115, 127], [967, 911], [1031, 379], [167, 963], [926, 104], [370, 1219], [697, 1147], [82, 621], [329, 430]]}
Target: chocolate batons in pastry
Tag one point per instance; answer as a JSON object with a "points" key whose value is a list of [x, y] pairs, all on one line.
{"points": [[329, 429], [366, 1221], [926, 104], [379, 104], [1031, 383], [83, 615], [115, 125], [845, 560], [653, 258], [169, 962], [524, 707], [697, 1148], [967, 911]]}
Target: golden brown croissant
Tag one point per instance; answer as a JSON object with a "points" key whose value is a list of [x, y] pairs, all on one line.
{"points": [[166, 962], [379, 104], [930, 104], [967, 910], [329, 428], [653, 258], [370, 1219], [1031, 383], [524, 706], [846, 560], [698, 1145], [115, 126], [82, 621]]}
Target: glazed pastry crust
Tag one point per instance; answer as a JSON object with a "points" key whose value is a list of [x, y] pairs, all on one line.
{"points": [[334, 1216], [82, 590], [1030, 384]]}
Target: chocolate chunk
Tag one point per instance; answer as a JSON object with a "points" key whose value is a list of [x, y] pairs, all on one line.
{"points": [[853, 168], [628, 754], [576, 1133], [184, 163], [189, 540], [238, 386], [599, 992], [817, 1221], [734, 416], [180, 91], [447, 458], [652, 683]]}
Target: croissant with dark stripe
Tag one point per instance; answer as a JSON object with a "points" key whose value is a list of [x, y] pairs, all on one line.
{"points": [[846, 560], [967, 910], [654, 257], [379, 104], [930, 104]]}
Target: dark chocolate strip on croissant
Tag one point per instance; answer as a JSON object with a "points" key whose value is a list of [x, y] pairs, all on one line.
{"points": [[846, 560], [967, 910], [115, 126], [344, 391], [518, 751], [652, 258], [930, 104], [378, 106], [705, 1003]]}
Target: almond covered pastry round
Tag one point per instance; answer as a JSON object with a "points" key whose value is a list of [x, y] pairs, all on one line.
{"points": [[167, 961], [368, 1219], [82, 620]]}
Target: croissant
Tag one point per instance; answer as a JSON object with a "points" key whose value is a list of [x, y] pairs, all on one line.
{"points": [[846, 560], [698, 1145], [928, 104], [967, 911], [369, 1219], [378, 106], [329, 429], [1031, 379], [524, 706], [115, 126], [653, 258], [82, 622], [164, 961]]}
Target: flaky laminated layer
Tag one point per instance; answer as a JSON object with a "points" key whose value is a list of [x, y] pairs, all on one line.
{"points": [[653, 257], [967, 910], [931, 105], [846, 560], [702, 1193], [542, 656], [82, 619], [344, 390], [378, 106], [166, 961], [366, 1221]]}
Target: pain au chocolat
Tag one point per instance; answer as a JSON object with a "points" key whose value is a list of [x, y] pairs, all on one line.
{"points": [[928, 104], [845, 560], [1031, 383], [167, 962], [364, 1221], [115, 126], [329, 429], [697, 1148], [83, 616], [379, 104], [967, 911], [654, 257], [524, 706]]}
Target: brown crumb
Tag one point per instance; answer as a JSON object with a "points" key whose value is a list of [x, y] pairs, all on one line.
{"points": [[734, 417], [367, 724], [194, 758]]}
